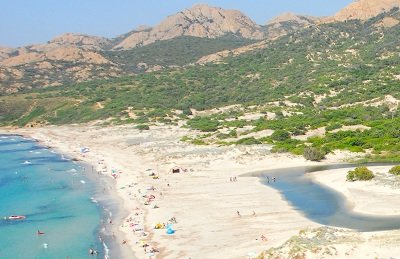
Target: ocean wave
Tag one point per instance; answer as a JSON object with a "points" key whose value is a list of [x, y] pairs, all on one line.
{"points": [[106, 250]]}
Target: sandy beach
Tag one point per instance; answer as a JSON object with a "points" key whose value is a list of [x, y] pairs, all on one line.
{"points": [[214, 211]]}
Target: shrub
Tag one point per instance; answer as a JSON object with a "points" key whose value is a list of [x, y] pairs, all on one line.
{"points": [[187, 111], [279, 150], [248, 141], [204, 124], [360, 174], [333, 126], [395, 170], [143, 127], [198, 142], [280, 135], [313, 154]]}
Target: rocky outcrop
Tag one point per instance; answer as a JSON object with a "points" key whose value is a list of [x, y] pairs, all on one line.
{"points": [[6, 52], [289, 22], [365, 9], [81, 40], [61, 53], [219, 56], [289, 17], [199, 21]]}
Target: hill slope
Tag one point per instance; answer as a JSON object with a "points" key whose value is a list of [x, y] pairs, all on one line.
{"points": [[329, 65], [199, 21], [201, 33], [179, 40]]}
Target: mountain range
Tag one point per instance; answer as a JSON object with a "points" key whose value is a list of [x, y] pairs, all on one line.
{"points": [[199, 34]]}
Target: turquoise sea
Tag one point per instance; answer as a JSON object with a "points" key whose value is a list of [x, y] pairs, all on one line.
{"points": [[55, 196]]}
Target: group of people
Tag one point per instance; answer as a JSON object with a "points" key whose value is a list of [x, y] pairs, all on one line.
{"points": [[233, 179], [92, 251], [273, 179]]}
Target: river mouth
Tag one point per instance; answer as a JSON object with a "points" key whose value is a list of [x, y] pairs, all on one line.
{"points": [[322, 204]]}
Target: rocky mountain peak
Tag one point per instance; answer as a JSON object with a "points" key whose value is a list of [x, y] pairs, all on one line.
{"points": [[200, 20], [142, 27], [291, 17], [365, 9], [287, 23], [82, 40]]}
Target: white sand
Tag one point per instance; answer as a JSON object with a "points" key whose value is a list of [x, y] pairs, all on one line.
{"points": [[377, 197], [203, 200]]}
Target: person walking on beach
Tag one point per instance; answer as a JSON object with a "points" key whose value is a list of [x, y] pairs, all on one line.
{"points": [[267, 179], [273, 179], [238, 213]]}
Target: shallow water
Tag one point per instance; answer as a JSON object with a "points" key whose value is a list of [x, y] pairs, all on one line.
{"points": [[322, 204], [54, 195]]}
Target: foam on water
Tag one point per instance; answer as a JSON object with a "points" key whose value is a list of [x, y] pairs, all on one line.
{"points": [[43, 189]]}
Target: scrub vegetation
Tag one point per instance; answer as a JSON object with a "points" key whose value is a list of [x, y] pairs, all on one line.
{"points": [[340, 78]]}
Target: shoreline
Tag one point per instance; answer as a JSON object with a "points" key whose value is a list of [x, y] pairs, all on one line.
{"points": [[358, 193], [201, 197], [110, 204]]}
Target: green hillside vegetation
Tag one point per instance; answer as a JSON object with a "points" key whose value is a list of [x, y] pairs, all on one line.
{"points": [[346, 64], [178, 51]]}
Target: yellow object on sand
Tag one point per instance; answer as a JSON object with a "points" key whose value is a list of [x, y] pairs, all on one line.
{"points": [[159, 226]]}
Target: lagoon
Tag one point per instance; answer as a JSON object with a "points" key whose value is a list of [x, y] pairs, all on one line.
{"points": [[320, 203]]}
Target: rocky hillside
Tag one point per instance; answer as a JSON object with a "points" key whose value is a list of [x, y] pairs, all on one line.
{"points": [[201, 33], [323, 69], [365, 9], [68, 58], [72, 58], [199, 21], [289, 22]]}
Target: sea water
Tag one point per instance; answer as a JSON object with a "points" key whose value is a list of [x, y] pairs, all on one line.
{"points": [[55, 196]]}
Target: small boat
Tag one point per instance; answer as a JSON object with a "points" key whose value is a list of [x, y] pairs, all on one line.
{"points": [[16, 217]]}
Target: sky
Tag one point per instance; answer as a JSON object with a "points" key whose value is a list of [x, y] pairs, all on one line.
{"points": [[25, 22]]}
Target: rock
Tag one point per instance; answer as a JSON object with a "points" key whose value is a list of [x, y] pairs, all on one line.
{"points": [[287, 23], [199, 21], [365, 9], [81, 40]]}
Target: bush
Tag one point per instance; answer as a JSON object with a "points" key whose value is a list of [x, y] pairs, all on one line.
{"points": [[333, 126], [395, 170], [199, 142], [204, 124], [279, 150], [360, 174], [280, 135], [143, 127], [313, 154], [187, 111], [248, 141]]}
